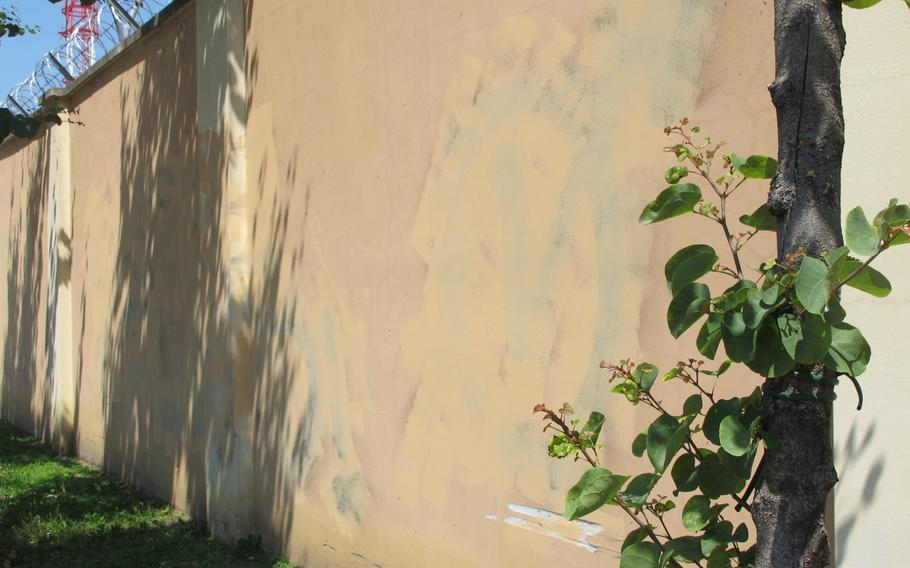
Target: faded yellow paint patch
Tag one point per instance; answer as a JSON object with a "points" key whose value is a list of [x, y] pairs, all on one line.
{"points": [[527, 227]]}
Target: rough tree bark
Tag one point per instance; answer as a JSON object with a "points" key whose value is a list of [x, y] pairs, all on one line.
{"points": [[789, 506]]}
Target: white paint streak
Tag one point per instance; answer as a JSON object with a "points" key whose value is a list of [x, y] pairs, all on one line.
{"points": [[553, 525]]}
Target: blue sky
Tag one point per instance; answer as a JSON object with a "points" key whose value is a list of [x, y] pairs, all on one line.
{"points": [[18, 55]]}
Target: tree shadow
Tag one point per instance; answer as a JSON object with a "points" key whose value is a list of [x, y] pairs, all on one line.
{"points": [[26, 399]]}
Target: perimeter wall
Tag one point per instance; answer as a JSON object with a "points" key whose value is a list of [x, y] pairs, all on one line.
{"points": [[304, 268]]}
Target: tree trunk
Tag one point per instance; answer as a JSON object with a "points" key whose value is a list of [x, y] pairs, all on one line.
{"points": [[792, 491]]}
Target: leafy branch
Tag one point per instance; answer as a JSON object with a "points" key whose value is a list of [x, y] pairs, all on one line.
{"points": [[787, 323]]}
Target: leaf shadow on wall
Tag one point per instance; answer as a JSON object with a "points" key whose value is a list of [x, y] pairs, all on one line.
{"points": [[852, 451]]}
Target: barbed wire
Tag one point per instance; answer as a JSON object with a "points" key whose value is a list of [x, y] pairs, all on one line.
{"points": [[116, 20]]}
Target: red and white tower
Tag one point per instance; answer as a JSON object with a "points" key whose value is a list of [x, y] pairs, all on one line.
{"points": [[80, 33]]}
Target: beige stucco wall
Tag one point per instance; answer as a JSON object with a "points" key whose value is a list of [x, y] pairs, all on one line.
{"points": [[326, 257]]}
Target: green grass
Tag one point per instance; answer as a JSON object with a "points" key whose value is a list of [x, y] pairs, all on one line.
{"points": [[57, 512]]}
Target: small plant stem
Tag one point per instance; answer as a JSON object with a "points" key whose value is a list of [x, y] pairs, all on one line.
{"points": [[710, 395], [723, 223]]}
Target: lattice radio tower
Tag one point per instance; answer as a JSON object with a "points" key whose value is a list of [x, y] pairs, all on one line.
{"points": [[80, 33]]}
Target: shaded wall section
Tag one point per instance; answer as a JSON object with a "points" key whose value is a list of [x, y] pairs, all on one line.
{"points": [[322, 259]]}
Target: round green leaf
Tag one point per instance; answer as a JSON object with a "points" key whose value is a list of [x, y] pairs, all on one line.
{"points": [[692, 405], [756, 167], [686, 549], [676, 200], [892, 216], [697, 513], [755, 308], [805, 339], [634, 537], [687, 307], [645, 374], [596, 487], [688, 265], [870, 280], [640, 555], [716, 536], [665, 437], [715, 415], [739, 340], [685, 473], [849, 352], [638, 490], [741, 534], [709, 335], [771, 359], [813, 285], [860, 236], [760, 219], [639, 445], [734, 437], [716, 478]]}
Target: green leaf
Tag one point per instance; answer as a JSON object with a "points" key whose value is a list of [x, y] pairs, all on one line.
{"points": [[741, 534], [849, 352], [716, 478], [686, 549], [697, 513], [688, 265], [685, 473], [835, 312], [596, 487], [721, 559], [687, 307], [645, 374], [760, 219], [758, 167], [771, 360], [739, 340], [724, 367], [860, 4], [734, 296], [676, 200], [715, 415], [594, 424], [676, 173], [734, 437], [709, 335], [806, 340], [639, 445], [716, 536], [870, 280], [692, 405], [813, 285], [894, 215], [634, 537], [860, 237], [638, 490], [640, 555], [755, 309], [665, 437]]}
